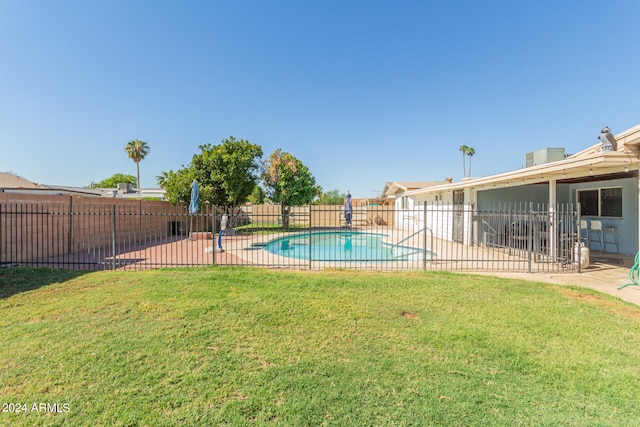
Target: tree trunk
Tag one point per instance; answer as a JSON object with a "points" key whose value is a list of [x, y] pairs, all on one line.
{"points": [[286, 211], [464, 164]]}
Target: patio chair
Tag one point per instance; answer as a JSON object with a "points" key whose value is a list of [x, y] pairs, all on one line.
{"points": [[584, 231], [520, 237], [614, 241], [601, 234], [596, 228], [490, 235]]}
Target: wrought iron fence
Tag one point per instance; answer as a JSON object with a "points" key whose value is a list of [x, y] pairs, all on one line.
{"points": [[97, 236]]}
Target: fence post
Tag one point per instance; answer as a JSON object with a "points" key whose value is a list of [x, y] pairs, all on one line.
{"points": [[113, 237], [1, 233], [424, 232], [70, 224], [213, 234], [310, 248], [578, 239], [530, 240], [142, 226]]}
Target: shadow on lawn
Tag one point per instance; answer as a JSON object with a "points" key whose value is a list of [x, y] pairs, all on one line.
{"points": [[14, 280]]}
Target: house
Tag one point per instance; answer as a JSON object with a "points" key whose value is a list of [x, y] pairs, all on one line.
{"points": [[396, 190], [10, 183], [602, 186]]}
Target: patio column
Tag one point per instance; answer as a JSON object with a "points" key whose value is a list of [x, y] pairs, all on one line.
{"points": [[551, 226], [473, 203]]}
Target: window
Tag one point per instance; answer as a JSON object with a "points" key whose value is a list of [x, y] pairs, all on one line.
{"points": [[601, 202], [611, 202], [588, 202]]}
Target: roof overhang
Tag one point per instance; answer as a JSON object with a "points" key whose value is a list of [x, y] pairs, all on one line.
{"points": [[393, 188], [584, 166], [630, 138]]}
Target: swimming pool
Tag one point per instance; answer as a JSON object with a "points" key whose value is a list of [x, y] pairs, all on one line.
{"points": [[343, 246]]}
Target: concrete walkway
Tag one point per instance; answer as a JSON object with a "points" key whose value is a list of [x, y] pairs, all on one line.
{"points": [[605, 274]]}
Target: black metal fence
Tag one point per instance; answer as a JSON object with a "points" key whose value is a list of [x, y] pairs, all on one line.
{"points": [[428, 237]]}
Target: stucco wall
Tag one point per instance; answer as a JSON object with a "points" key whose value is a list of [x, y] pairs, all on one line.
{"points": [[627, 226]]}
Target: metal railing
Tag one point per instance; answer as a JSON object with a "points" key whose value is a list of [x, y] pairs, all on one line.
{"points": [[100, 235]]}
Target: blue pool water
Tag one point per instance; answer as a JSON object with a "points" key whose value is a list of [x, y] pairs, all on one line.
{"points": [[342, 246]]}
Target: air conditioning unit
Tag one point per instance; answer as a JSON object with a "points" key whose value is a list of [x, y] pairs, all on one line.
{"points": [[124, 188], [546, 155]]}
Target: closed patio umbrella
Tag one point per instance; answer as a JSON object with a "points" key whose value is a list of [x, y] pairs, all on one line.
{"points": [[348, 209], [193, 206]]}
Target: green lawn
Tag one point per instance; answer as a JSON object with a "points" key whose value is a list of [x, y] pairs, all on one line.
{"points": [[224, 346]]}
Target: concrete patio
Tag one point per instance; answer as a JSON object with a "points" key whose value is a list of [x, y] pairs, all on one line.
{"points": [[607, 273]]}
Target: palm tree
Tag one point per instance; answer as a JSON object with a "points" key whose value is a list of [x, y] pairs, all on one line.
{"points": [[137, 150], [319, 194], [470, 153], [464, 149], [163, 178]]}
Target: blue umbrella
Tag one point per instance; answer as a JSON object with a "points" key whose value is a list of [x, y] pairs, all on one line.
{"points": [[348, 209], [193, 206]]}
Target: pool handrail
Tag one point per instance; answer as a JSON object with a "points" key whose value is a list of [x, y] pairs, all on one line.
{"points": [[424, 258]]}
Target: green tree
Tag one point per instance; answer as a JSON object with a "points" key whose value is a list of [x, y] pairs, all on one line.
{"points": [[113, 181], [333, 197], [161, 179], [466, 152], [177, 186], [227, 174], [257, 196], [470, 153], [137, 150], [288, 182], [463, 149]]}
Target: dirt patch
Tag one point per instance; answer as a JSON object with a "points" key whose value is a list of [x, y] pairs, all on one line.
{"points": [[600, 301], [409, 315]]}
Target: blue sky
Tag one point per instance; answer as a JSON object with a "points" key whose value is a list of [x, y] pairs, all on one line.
{"points": [[362, 92]]}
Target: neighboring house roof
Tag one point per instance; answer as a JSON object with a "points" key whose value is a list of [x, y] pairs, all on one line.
{"points": [[584, 164], [391, 189], [8, 180], [10, 183]]}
